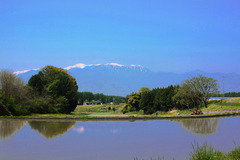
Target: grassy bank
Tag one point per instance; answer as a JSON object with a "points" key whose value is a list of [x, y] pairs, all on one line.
{"points": [[226, 107]]}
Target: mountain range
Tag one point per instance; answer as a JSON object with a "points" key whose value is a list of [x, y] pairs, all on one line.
{"points": [[116, 79]]}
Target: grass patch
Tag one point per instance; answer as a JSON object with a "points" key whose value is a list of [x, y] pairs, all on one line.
{"points": [[235, 153], [98, 108], [232, 100], [141, 112], [224, 105], [186, 111], [206, 152]]}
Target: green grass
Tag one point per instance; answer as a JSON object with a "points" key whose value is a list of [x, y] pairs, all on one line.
{"points": [[98, 108], [186, 111], [232, 100], [235, 153], [224, 105], [206, 152], [141, 112]]}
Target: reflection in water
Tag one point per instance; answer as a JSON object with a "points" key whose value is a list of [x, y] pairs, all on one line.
{"points": [[79, 130], [203, 126], [9, 128], [50, 129]]}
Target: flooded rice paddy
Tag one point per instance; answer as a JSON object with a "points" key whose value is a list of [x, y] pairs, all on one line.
{"points": [[113, 140]]}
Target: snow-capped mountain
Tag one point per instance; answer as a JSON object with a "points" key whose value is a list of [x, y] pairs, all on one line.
{"points": [[117, 79]]}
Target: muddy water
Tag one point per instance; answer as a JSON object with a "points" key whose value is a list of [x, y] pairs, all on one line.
{"points": [[113, 140]]}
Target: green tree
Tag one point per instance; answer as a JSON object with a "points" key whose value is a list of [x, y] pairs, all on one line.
{"points": [[144, 89], [133, 101], [147, 102], [60, 89], [207, 87], [195, 91], [163, 100], [14, 94]]}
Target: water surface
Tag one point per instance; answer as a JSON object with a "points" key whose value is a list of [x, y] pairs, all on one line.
{"points": [[113, 140]]}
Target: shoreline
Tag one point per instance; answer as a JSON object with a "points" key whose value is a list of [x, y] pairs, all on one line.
{"points": [[112, 117]]}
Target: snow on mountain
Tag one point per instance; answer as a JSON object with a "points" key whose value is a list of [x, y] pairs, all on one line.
{"points": [[114, 65], [24, 71], [118, 79], [91, 66]]}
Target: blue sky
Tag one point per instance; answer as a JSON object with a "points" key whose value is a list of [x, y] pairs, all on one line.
{"points": [[170, 36]]}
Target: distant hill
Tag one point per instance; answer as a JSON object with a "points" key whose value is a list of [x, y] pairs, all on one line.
{"points": [[115, 79]]}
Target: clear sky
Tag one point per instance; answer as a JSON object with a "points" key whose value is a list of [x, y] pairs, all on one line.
{"points": [[162, 35]]}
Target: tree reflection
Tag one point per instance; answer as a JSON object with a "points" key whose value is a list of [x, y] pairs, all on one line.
{"points": [[9, 127], [203, 126], [51, 129]]}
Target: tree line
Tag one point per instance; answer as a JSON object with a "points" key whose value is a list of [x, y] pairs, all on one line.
{"points": [[229, 94], [89, 96], [193, 92], [52, 90]]}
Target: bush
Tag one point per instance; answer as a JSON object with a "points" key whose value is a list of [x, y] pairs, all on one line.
{"points": [[39, 105]]}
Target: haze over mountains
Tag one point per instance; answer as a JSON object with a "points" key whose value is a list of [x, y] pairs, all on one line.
{"points": [[116, 79]]}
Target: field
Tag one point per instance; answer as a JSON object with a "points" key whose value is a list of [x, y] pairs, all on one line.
{"points": [[223, 105]]}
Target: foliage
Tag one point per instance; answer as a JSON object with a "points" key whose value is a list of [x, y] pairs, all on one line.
{"points": [[187, 97], [151, 101], [228, 94], [163, 100], [144, 89], [147, 102], [207, 87], [196, 91], [54, 91], [13, 94], [132, 103], [193, 93], [89, 96]]}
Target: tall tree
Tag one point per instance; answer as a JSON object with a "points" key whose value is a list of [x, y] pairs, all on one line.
{"points": [[196, 90], [60, 86], [207, 87], [14, 94]]}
